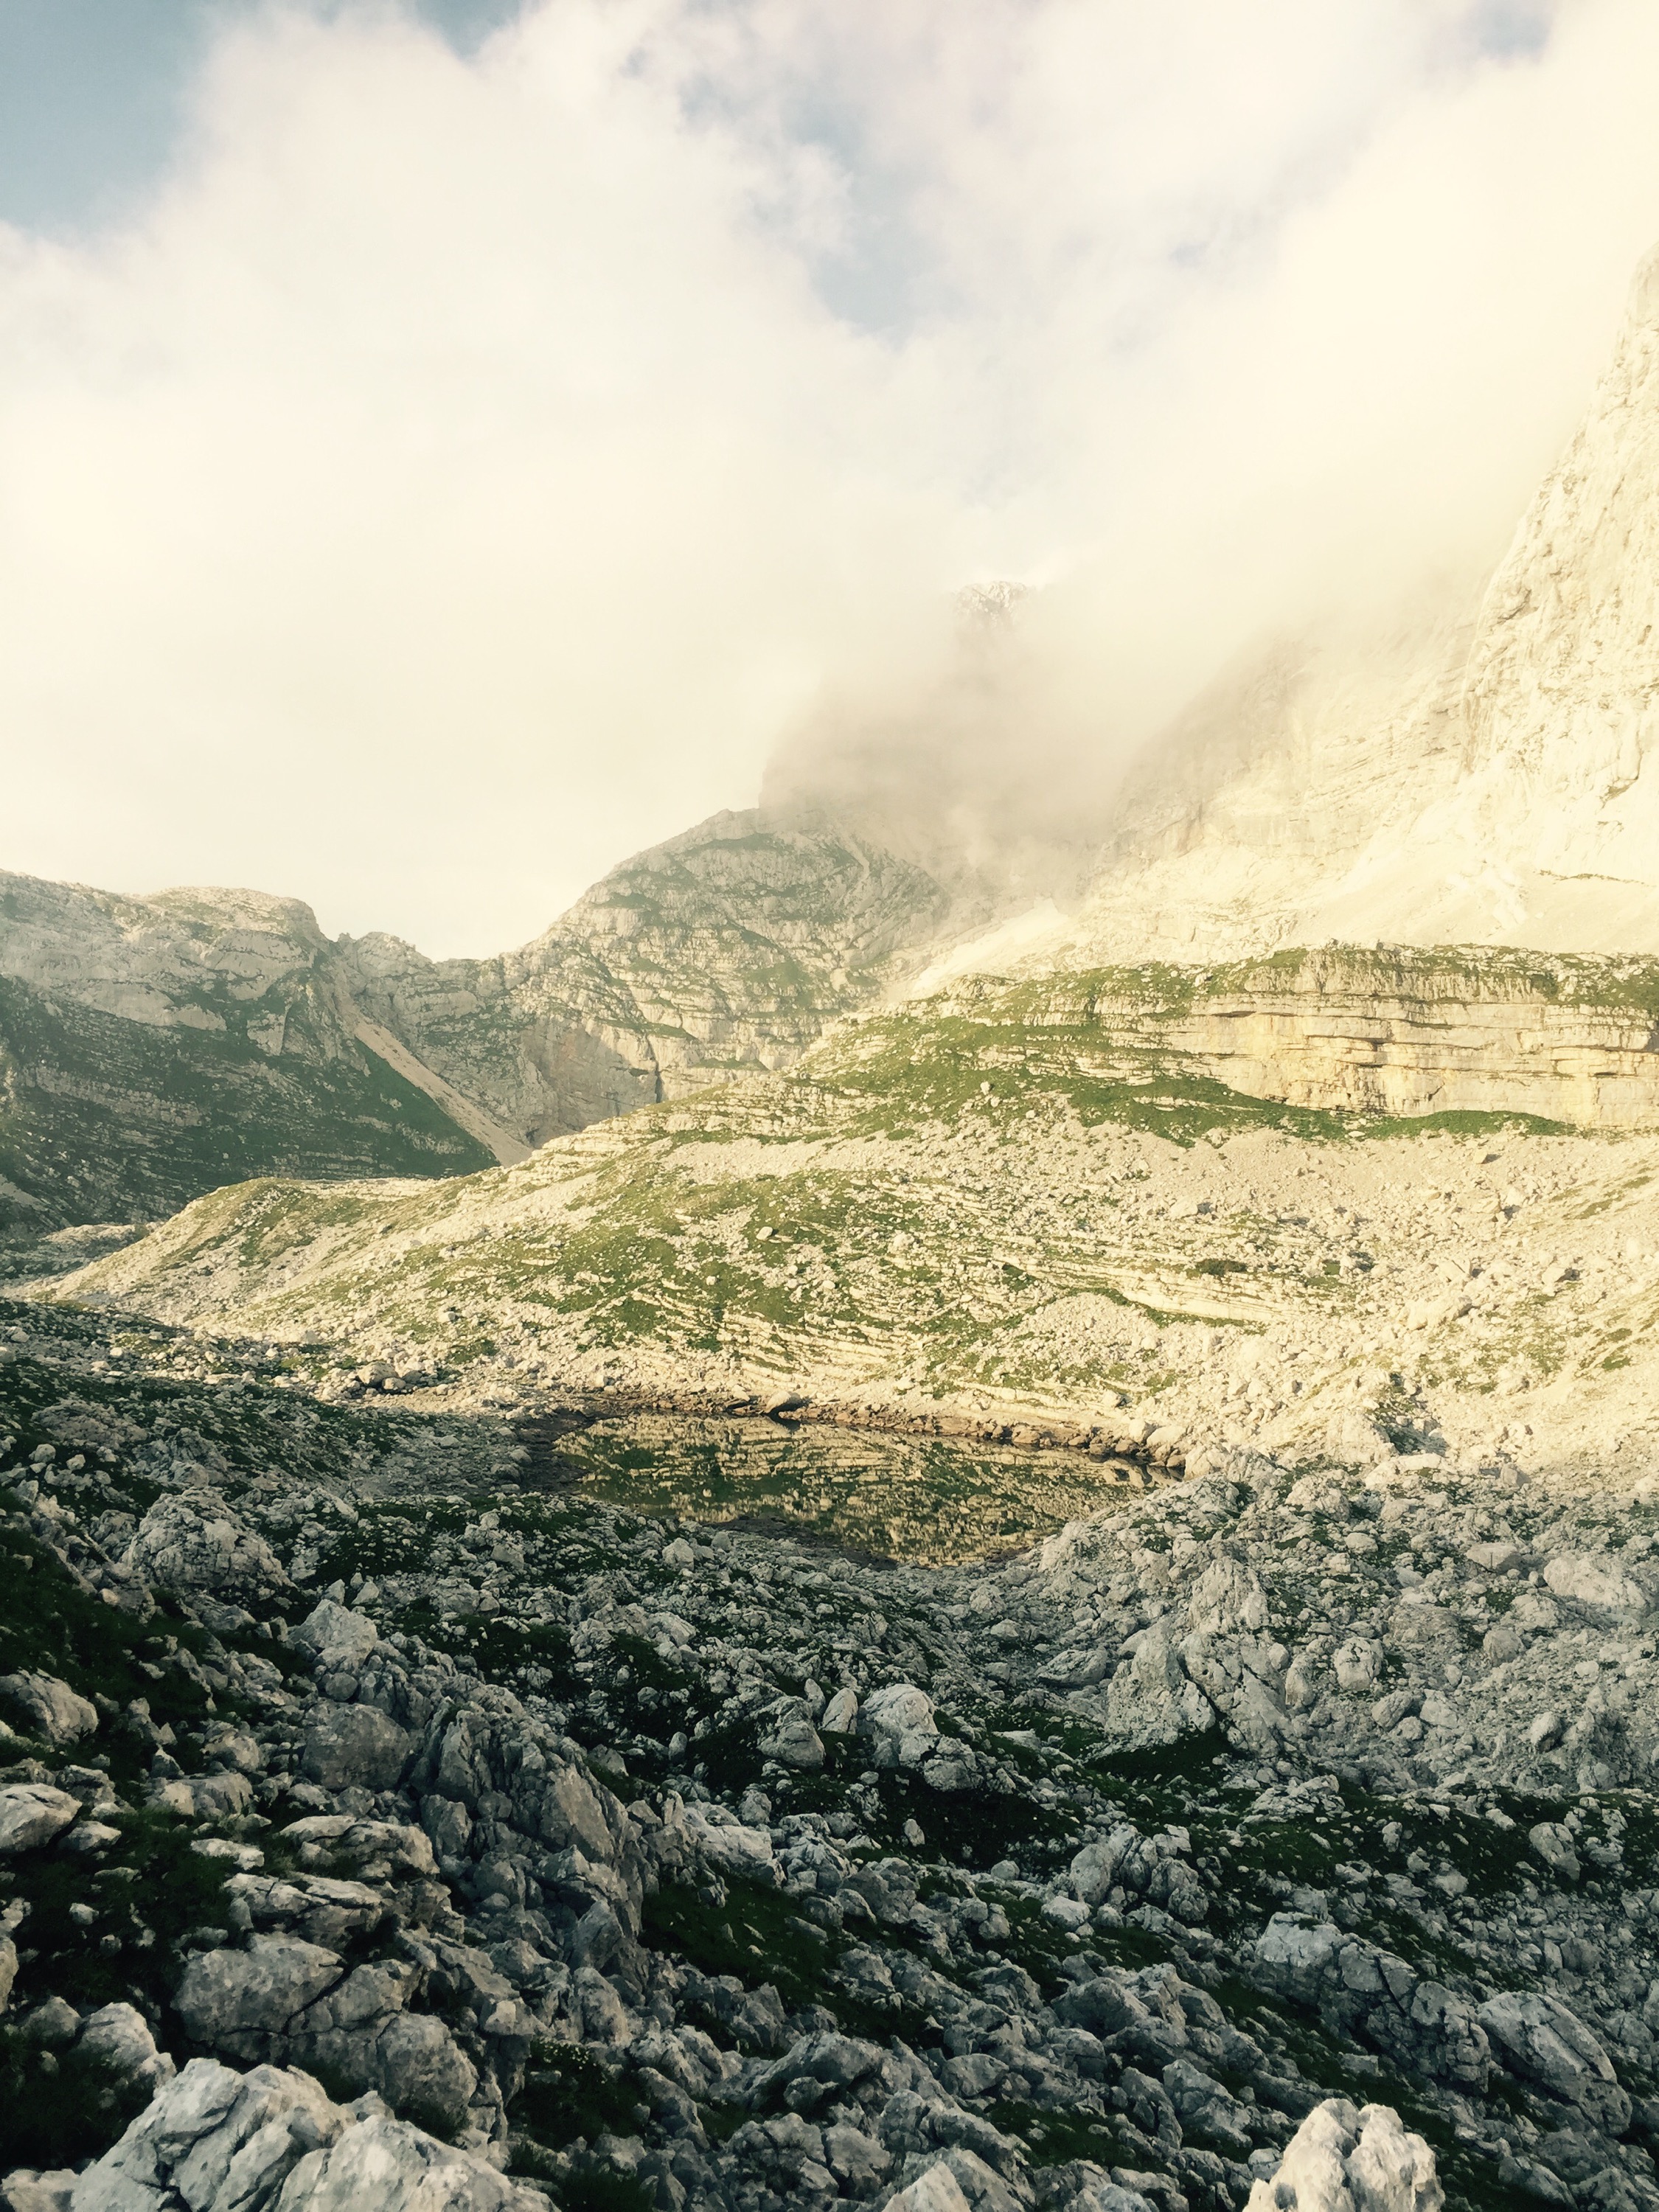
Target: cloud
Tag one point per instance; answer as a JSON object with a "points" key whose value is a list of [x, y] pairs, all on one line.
{"points": [[465, 469]]}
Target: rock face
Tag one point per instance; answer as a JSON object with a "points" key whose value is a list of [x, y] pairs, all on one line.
{"points": [[1385, 1030], [1478, 766], [171, 1044]]}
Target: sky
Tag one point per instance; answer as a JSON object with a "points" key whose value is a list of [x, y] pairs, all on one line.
{"points": [[444, 448]]}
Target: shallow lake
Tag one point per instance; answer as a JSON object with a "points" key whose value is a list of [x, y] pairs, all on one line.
{"points": [[901, 1498]]}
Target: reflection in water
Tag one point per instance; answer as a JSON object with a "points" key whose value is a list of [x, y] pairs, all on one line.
{"points": [[901, 1498]]}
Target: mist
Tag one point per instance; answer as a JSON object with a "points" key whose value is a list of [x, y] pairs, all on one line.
{"points": [[457, 471]]}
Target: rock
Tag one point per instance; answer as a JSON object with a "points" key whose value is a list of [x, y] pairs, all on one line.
{"points": [[1357, 1664], [1417, 2023], [1544, 2043], [354, 1747], [899, 1721], [1343, 2161], [117, 2037], [182, 1546], [1551, 1841], [32, 1813], [1227, 1598], [736, 1849], [794, 1743], [241, 2002], [840, 1715], [937, 2190], [1150, 1700], [1494, 1557], [216, 2140], [48, 1708], [27, 2191], [341, 1638], [50, 2025], [1596, 1582]]}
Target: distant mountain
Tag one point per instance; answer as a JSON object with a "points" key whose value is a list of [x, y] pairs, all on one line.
{"points": [[152, 1050]]}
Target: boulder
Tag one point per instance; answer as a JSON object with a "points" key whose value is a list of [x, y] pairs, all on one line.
{"points": [[341, 1638], [383, 2165], [218, 2141], [32, 1813], [936, 2189], [182, 1545], [1341, 2160], [794, 1743], [1597, 1582], [1546, 2043], [47, 1708], [25, 2190], [899, 1721], [1356, 1665], [1150, 1698], [242, 2001], [1227, 1599], [1364, 1989], [351, 1747], [117, 2038]]}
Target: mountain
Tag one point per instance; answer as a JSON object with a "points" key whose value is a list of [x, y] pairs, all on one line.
{"points": [[151, 1049], [1479, 765], [1474, 767]]}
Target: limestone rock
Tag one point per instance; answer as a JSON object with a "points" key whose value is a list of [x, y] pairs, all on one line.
{"points": [[181, 1545], [32, 1813], [218, 2141], [1596, 1583], [1547, 2044], [242, 2002], [1343, 2161], [355, 1746], [340, 1638], [46, 1707]]}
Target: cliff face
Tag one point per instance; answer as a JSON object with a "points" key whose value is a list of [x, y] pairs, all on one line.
{"points": [[1394, 1031], [1477, 766]]}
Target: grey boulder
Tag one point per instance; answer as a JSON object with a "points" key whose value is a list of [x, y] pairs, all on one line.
{"points": [[183, 1545], [218, 2141], [340, 1638], [1544, 2043], [32, 1813], [354, 1746], [48, 1708], [240, 2002]]}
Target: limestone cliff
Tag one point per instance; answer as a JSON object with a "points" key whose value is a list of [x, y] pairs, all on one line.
{"points": [[1477, 766]]}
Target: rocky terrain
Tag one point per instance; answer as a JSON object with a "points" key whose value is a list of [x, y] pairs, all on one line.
{"points": [[382, 1812], [941, 1218], [1043, 1598]]}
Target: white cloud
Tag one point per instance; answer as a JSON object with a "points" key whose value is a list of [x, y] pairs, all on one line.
{"points": [[465, 469]]}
